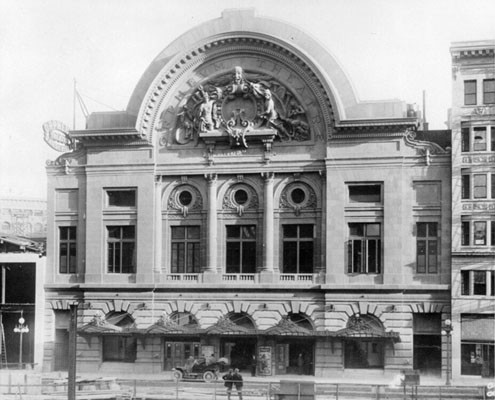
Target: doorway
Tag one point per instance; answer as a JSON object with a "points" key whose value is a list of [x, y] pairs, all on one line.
{"points": [[239, 351], [295, 357], [176, 353]]}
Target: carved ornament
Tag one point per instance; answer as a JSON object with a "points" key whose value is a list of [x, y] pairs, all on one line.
{"points": [[185, 198], [298, 196], [251, 199]]}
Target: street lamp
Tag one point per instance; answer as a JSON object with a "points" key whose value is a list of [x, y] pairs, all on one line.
{"points": [[21, 329], [447, 331]]}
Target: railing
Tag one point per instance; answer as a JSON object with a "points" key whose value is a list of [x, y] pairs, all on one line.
{"points": [[184, 277], [297, 278], [241, 278]]}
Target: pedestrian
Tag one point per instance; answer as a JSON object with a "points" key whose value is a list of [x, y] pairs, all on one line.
{"points": [[229, 381], [237, 378], [253, 365], [300, 363]]}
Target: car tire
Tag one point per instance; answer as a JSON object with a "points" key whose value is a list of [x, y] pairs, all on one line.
{"points": [[209, 376], [177, 375]]}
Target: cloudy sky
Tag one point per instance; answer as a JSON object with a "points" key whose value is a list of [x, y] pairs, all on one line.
{"points": [[389, 49]]}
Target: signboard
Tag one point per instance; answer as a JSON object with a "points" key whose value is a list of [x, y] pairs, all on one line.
{"points": [[265, 360], [56, 135]]}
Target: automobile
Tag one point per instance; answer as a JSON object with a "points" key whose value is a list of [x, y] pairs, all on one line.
{"points": [[198, 369]]}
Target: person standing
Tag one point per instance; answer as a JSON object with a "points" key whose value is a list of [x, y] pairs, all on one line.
{"points": [[253, 365], [229, 381], [237, 378], [300, 364]]}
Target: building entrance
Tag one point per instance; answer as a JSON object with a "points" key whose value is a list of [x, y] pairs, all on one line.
{"points": [[295, 357], [176, 353], [239, 351]]}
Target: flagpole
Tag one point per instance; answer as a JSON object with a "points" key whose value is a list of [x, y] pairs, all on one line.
{"points": [[74, 106]]}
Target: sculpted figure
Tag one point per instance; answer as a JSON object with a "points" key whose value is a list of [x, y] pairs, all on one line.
{"points": [[206, 113], [269, 113]]}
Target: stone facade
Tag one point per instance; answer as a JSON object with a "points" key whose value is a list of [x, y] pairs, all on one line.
{"points": [[246, 183], [473, 208]]}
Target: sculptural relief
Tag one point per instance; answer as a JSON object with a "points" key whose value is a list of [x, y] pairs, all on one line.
{"points": [[239, 105]]}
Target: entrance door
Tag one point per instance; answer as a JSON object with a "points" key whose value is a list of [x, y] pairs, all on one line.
{"points": [[61, 350], [239, 351], [363, 353], [295, 357], [176, 353], [281, 358], [427, 354]]}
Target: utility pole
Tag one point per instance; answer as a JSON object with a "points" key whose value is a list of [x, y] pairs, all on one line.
{"points": [[72, 352]]}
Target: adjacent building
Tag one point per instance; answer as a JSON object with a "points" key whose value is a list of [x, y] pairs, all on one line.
{"points": [[473, 207], [247, 205]]}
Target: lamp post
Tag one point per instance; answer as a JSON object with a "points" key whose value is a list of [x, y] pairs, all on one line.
{"points": [[21, 328], [447, 331]]}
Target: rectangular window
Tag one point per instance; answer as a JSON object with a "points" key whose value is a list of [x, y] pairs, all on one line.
{"points": [[479, 186], [365, 193], [492, 283], [427, 247], [67, 250], [470, 93], [119, 348], [488, 91], [465, 283], [298, 249], [492, 189], [121, 198], [466, 184], [479, 283], [185, 249], [480, 233], [479, 142], [492, 233], [465, 139], [364, 248], [465, 233], [241, 249], [492, 138], [121, 241]]}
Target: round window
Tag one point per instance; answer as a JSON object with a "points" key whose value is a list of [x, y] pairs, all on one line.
{"points": [[185, 198], [241, 197], [298, 195]]}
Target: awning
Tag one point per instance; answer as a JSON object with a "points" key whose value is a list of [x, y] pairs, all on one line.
{"points": [[227, 327], [287, 327], [101, 326], [166, 326], [361, 328], [478, 327]]}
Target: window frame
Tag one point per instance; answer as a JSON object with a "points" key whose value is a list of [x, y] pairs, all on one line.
{"points": [[356, 202], [468, 282], [70, 243], [470, 94], [429, 240], [488, 93], [186, 241], [298, 240], [229, 246], [364, 267], [108, 192], [112, 248], [480, 184]]}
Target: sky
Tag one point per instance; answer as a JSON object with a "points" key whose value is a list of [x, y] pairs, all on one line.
{"points": [[388, 48]]}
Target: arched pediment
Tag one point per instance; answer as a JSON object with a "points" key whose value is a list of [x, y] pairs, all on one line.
{"points": [[305, 81]]}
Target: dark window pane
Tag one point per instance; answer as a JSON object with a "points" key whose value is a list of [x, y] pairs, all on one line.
{"points": [[465, 233], [233, 231], [466, 186], [492, 194], [357, 256], [63, 263], [356, 229], [193, 232], [489, 91], [113, 232], [492, 280], [290, 231], [128, 232], [249, 232], [421, 256], [298, 195], [249, 258], [306, 257], [306, 231], [492, 147], [432, 229], [185, 198], [432, 256], [290, 258], [241, 196], [373, 250], [492, 241], [421, 229], [465, 283], [465, 139], [178, 232], [72, 257], [233, 257], [121, 198], [365, 193]]}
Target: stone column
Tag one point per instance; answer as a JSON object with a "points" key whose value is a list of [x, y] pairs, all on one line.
{"points": [[158, 225], [268, 223], [212, 223]]}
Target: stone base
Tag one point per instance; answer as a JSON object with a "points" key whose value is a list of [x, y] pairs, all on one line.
{"points": [[266, 277]]}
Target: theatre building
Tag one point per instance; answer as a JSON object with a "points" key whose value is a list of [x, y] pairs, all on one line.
{"points": [[247, 205], [473, 196]]}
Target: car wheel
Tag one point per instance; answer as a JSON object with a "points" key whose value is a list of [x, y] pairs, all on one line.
{"points": [[209, 376], [177, 375]]}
